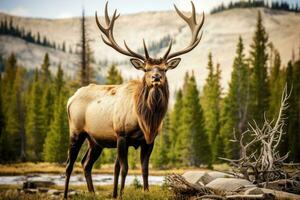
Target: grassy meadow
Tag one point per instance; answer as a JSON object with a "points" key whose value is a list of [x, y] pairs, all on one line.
{"points": [[102, 192]]}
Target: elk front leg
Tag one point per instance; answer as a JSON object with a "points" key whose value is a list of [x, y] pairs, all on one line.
{"points": [[122, 149], [146, 150], [116, 178]]}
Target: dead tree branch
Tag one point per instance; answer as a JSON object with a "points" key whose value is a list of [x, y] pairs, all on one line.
{"points": [[264, 164]]}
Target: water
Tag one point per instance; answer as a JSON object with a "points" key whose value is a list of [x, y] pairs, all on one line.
{"points": [[98, 179]]}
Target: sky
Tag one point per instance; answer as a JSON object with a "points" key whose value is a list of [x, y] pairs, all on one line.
{"points": [[71, 8]]}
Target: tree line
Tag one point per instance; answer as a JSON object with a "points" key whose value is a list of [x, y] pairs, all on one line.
{"points": [[275, 5], [200, 127], [7, 27], [197, 129]]}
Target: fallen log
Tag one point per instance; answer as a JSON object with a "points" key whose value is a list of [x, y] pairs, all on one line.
{"points": [[184, 189], [249, 196], [281, 194]]}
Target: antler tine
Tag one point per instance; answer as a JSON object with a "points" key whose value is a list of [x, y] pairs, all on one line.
{"points": [[168, 50], [146, 50], [107, 20], [109, 36], [104, 30], [133, 54], [195, 29]]}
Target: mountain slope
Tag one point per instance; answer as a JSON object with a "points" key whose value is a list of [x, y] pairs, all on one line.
{"points": [[221, 32]]}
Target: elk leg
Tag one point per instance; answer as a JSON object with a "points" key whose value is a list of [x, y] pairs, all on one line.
{"points": [[116, 178], [146, 150], [92, 155], [122, 149], [76, 142]]}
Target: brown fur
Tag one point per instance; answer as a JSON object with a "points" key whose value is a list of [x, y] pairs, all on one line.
{"points": [[151, 106]]}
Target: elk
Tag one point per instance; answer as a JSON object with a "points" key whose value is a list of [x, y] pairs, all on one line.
{"points": [[119, 116]]}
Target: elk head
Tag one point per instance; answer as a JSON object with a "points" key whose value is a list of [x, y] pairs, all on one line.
{"points": [[155, 68]]}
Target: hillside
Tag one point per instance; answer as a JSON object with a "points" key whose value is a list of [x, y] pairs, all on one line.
{"points": [[220, 36]]}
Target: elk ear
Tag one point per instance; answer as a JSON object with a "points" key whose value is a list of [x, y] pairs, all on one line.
{"points": [[173, 63], [138, 64]]}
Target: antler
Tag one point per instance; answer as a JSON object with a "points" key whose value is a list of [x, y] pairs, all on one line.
{"points": [[195, 29], [109, 37]]}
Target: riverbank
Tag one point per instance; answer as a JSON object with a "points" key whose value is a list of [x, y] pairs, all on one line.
{"points": [[102, 192], [52, 168]]}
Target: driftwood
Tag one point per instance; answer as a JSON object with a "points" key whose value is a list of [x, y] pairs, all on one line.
{"points": [[185, 190], [210, 196], [287, 185], [281, 194]]}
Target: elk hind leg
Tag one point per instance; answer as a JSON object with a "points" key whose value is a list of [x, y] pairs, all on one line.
{"points": [[76, 141], [92, 155], [122, 149]]}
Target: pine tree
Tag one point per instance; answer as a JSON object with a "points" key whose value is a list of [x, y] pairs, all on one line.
{"points": [[63, 46], [59, 80], [4, 155], [56, 141], [113, 76], [259, 82], [211, 100], [86, 54], [160, 155], [10, 84], [292, 138], [194, 146], [47, 99], [15, 118], [174, 132], [45, 72], [235, 108], [38, 40], [34, 121], [276, 86]]}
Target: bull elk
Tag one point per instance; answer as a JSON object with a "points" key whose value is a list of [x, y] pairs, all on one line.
{"points": [[119, 116]]}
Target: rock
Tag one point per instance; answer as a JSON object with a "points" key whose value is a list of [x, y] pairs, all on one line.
{"points": [[37, 184], [229, 184], [216, 174], [30, 191], [204, 177], [253, 191], [73, 193], [43, 190], [193, 176]]}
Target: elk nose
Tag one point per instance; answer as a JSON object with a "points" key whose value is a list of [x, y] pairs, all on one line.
{"points": [[156, 77]]}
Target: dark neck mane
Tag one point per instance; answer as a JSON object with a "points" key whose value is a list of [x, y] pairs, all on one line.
{"points": [[151, 106]]}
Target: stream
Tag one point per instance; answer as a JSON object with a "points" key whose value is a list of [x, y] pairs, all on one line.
{"points": [[76, 179]]}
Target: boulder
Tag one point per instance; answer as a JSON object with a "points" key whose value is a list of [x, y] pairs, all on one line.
{"points": [[216, 174], [43, 190], [229, 184], [37, 184], [193, 177], [30, 191], [203, 177], [54, 192]]}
